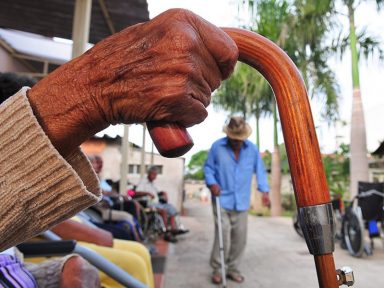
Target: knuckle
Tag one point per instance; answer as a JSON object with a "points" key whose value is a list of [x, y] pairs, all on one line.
{"points": [[215, 84], [230, 58], [183, 14]]}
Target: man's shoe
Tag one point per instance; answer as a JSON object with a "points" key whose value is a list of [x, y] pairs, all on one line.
{"points": [[180, 231], [170, 238], [236, 277]]}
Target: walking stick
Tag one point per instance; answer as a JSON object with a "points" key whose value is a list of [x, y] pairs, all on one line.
{"points": [[309, 182], [221, 242]]}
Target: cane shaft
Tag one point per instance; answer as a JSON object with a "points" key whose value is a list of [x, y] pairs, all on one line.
{"points": [[221, 242], [325, 267]]}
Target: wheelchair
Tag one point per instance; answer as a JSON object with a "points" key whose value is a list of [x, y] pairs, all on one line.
{"points": [[363, 219], [152, 223], [122, 228], [154, 226]]}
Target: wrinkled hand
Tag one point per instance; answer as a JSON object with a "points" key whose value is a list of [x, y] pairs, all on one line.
{"points": [[161, 70], [215, 189], [265, 200]]}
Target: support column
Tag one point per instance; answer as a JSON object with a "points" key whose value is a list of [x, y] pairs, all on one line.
{"points": [[142, 163], [124, 161], [81, 24]]}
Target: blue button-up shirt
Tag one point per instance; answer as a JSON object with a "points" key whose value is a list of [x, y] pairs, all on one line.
{"points": [[235, 176]]}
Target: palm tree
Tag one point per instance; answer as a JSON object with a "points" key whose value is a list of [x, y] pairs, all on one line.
{"points": [[300, 30], [359, 44], [243, 93], [272, 20]]}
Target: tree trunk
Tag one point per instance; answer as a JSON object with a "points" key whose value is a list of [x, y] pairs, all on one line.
{"points": [[258, 131], [255, 200], [276, 184], [276, 171], [359, 159]]}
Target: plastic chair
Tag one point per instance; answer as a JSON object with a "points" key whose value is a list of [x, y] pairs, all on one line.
{"points": [[57, 247]]}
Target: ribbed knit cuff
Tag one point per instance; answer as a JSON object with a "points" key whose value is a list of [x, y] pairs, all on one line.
{"points": [[38, 187]]}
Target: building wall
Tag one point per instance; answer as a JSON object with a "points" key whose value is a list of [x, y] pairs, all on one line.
{"points": [[193, 188]]}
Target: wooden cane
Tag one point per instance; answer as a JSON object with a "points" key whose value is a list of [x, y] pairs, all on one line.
{"points": [[303, 151]]}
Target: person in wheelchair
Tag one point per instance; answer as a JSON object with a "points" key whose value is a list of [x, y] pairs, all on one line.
{"points": [[109, 207], [149, 196]]}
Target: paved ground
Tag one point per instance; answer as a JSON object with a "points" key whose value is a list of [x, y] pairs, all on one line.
{"points": [[275, 256]]}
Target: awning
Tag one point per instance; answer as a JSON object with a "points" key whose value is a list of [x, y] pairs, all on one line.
{"points": [[54, 18]]}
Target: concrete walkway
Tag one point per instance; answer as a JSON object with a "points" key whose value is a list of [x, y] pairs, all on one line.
{"points": [[275, 256]]}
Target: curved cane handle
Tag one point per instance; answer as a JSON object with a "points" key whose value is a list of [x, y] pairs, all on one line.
{"points": [[299, 132]]}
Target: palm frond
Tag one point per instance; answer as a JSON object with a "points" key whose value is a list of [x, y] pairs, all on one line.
{"points": [[369, 45]]}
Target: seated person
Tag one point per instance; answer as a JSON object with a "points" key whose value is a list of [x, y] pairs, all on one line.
{"points": [[111, 200], [147, 191], [111, 195], [131, 256], [124, 201]]}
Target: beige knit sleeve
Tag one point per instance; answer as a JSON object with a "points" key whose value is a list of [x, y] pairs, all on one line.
{"points": [[38, 187]]}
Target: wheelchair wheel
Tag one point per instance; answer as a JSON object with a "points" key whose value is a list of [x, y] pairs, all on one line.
{"points": [[353, 230], [338, 225], [159, 224], [156, 226]]}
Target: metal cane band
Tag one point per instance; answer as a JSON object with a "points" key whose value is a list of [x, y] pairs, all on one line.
{"points": [[318, 228]]}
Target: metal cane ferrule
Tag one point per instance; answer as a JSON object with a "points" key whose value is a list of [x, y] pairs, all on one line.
{"points": [[318, 227]]}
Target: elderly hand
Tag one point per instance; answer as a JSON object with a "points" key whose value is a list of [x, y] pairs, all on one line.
{"points": [[265, 200], [215, 189], [161, 70]]}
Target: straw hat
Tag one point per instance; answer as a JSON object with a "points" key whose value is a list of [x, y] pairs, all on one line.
{"points": [[237, 128]]}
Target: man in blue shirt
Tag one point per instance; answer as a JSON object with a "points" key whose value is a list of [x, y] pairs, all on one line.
{"points": [[231, 162]]}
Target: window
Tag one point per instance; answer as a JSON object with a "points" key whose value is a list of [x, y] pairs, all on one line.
{"points": [[132, 169], [135, 169]]}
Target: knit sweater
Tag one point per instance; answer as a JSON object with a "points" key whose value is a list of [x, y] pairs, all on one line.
{"points": [[38, 187]]}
